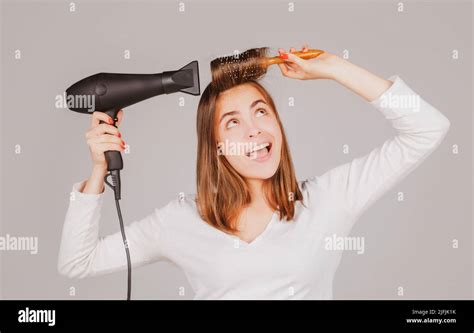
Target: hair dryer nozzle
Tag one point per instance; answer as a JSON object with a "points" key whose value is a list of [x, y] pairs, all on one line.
{"points": [[190, 74]]}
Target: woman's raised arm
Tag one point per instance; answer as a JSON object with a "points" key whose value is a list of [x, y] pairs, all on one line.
{"points": [[419, 127]]}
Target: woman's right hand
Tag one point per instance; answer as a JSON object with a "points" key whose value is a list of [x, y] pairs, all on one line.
{"points": [[103, 137], [325, 66]]}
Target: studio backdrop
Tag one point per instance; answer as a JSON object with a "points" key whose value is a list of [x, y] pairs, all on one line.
{"points": [[417, 237]]}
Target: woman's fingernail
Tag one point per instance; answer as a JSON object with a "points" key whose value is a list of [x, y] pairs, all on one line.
{"points": [[284, 56]]}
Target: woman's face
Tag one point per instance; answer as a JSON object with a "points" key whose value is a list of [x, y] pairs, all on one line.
{"points": [[245, 123]]}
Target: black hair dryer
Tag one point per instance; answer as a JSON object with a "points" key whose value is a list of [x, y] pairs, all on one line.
{"points": [[112, 91]]}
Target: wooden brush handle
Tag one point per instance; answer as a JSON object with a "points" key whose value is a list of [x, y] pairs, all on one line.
{"points": [[311, 53]]}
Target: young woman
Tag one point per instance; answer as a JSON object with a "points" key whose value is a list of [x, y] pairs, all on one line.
{"points": [[252, 231]]}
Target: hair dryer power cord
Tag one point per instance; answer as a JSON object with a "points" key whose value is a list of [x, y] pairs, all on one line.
{"points": [[115, 174]]}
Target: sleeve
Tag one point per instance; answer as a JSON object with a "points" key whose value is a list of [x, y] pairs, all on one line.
{"points": [[420, 128], [83, 253]]}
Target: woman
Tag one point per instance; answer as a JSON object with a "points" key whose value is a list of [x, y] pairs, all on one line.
{"points": [[252, 231]]}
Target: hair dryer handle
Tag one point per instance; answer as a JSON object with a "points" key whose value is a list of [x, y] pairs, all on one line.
{"points": [[113, 157]]}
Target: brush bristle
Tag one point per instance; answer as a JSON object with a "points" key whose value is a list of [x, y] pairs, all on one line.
{"points": [[233, 70]]}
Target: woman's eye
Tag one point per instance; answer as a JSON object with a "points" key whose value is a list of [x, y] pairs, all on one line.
{"points": [[230, 122], [234, 122]]}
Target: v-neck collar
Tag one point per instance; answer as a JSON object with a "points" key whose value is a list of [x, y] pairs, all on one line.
{"points": [[261, 235], [242, 242]]}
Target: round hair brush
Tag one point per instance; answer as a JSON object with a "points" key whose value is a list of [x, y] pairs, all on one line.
{"points": [[231, 70]]}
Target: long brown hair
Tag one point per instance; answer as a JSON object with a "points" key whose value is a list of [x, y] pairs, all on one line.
{"points": [[222, 192]]}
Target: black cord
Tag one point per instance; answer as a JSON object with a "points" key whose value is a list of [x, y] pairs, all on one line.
{"points": [[115, 174]]}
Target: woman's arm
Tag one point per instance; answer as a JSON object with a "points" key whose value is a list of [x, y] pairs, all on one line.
{"points": [[362, 82], [83, 253], [95, 183], [419, 131], [419, 127]]}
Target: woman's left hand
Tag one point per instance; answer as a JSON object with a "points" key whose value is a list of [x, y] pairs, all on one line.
{"points": [[322, 67]]}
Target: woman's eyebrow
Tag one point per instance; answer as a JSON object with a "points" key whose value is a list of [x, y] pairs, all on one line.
{"points": [[228, 114], [235, 111]]}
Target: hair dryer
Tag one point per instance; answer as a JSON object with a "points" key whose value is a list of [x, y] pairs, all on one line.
{"points": [[110, 92]]}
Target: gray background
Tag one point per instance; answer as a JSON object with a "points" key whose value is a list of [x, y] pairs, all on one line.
{"points": [[408, 244]]}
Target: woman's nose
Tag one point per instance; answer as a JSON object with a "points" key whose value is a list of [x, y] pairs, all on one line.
{"points": [[253, 132]]}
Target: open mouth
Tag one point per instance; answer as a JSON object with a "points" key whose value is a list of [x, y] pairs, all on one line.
{"points": [[260, 151]]}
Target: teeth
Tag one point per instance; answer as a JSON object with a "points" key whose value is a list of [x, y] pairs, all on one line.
{"points": [[263, 145]]}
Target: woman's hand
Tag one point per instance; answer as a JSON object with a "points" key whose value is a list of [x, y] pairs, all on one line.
{"points": [[322, 67], [329, 66], [103, 137]]}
